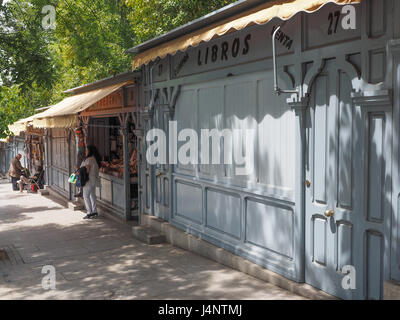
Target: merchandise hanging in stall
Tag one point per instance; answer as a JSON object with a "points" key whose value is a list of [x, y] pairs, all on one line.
{"points": [[34, 149]]}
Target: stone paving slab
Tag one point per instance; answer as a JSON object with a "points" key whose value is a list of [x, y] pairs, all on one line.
{"points": [[99, 259]]}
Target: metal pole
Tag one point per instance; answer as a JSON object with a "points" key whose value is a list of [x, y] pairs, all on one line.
{"points": [[277, 90]]}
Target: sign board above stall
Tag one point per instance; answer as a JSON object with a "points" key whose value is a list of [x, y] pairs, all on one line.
{"points": [[114, 103], [35, 131], [251, 44]]}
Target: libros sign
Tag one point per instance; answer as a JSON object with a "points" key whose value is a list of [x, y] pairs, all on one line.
{"points": [[224, 51], [233, 49], [230, 50]]}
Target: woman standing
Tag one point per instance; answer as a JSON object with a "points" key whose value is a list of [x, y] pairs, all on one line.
{"points": [[92, 163]]}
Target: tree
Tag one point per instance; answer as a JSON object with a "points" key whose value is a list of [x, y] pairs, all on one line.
{"points": [[13, 107], [89, 43], [151, 18], [27, 70], [25, 56], [92, 37]]}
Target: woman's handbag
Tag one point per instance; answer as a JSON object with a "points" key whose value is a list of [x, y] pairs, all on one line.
{"points": [[72, 178], [78, 181]]}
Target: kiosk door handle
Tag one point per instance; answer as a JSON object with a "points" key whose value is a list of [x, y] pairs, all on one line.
{"points": [[329, 213]]}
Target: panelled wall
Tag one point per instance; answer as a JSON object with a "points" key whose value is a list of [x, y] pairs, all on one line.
{"points": [[8, 151], [395, 196], [253, 212], [9, 155], [242, 103], [3, 161], [111, 193], [61, 156]]}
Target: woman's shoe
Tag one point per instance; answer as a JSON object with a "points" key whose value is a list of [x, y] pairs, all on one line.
{"points": [[88, 216], [94, 215]]}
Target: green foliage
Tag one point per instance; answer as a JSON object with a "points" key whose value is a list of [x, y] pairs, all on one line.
{"points": [[92, 39], [25, 56], [13, 107], [27, 70], [88, 44], [151, 18]]}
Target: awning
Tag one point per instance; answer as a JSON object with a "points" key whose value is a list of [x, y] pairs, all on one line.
{"points": [[21, 125], [65, 113], [69, 121], [283, 9]]}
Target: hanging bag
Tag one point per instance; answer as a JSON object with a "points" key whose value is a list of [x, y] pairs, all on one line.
{"points": [[72, 178]]}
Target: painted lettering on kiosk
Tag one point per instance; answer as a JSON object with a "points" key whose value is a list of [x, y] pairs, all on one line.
{"points": [[233, 49], [224, 51], [182, 62], [282, 38], [331, 25]]}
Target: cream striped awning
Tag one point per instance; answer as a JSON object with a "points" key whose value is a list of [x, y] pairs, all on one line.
{"points": [[21, 125], [65, 113]]}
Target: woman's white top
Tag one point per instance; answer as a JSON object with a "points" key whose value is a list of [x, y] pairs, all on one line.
{"points": [[93, 171]]}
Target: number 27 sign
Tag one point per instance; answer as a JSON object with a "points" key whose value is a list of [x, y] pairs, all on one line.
{"points": [[347, 17]]}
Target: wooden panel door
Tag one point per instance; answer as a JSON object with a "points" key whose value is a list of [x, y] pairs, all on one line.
{"points": [[162, 171], [344, 189]]}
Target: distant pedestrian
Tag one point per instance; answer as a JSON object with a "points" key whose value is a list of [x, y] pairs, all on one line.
{"points": [[92, 164], [15, 171]]}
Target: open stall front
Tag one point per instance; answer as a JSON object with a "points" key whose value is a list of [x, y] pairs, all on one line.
{"points": [[91, 115], [34, 150], [27, 141], [108, 125]]}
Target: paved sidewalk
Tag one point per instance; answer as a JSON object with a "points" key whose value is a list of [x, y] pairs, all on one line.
{"points": [[99, 259]]}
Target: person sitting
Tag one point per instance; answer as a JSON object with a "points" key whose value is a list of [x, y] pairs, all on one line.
{"points": [[23, 180], [15, 171], [26, 179]]}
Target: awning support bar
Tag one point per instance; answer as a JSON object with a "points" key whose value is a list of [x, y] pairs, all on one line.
{"points": [[278, 90]]}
